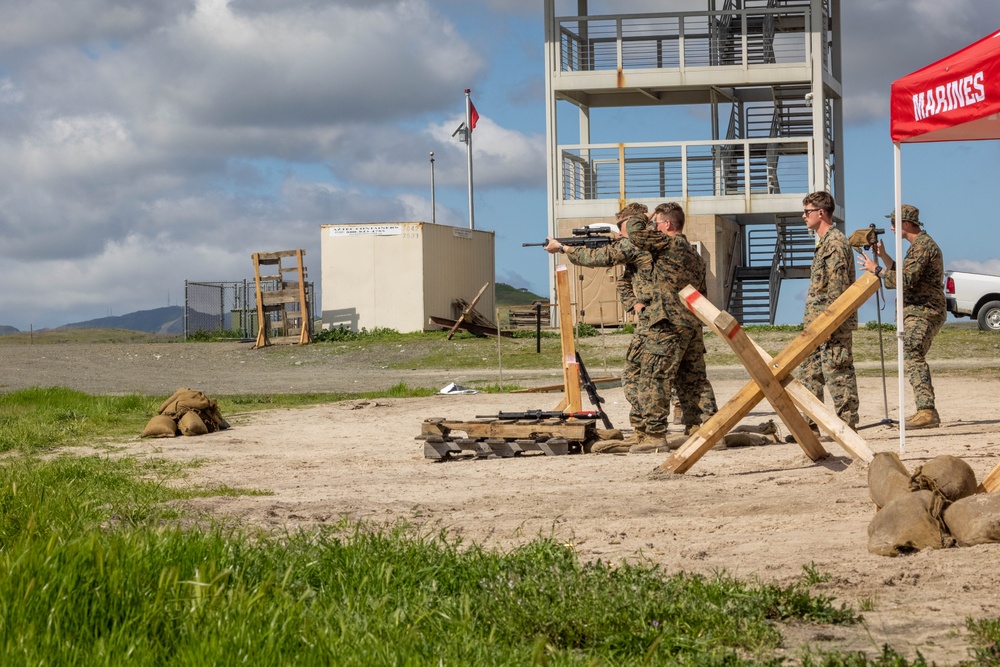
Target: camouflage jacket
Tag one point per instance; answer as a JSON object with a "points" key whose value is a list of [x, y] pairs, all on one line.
{"points": [[676, 264], [923, 279], [634, 284], [831, 274]]}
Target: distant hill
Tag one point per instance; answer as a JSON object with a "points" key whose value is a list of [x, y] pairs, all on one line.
{"points": [[166, 320], [513, 296], [6, 330]]}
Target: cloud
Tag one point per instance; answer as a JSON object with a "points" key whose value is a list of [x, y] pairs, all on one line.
{"points": [[886, 40], [989, 267]]}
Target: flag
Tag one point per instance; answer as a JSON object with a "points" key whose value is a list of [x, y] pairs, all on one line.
{"points": [[473, 116]]}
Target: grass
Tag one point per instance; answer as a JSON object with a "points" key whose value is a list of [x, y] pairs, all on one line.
{"points": [[432, 350], [93, 570], [39, 419], [99, 564]]}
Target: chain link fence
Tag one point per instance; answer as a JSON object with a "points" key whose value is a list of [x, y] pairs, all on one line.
{"points": [[229, 309]]}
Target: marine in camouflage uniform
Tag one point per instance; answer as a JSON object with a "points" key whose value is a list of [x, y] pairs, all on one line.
{"points": [[674, 344], [924, 307], [832, 272], [649, 410]]}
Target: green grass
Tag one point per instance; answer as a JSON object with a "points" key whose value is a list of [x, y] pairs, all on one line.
{"points": [[100, 564], [40, 419], [94, 571]]}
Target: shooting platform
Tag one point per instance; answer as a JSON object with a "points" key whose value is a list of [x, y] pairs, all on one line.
{"points": [[565, 430], [771, 378], [506, 438]]}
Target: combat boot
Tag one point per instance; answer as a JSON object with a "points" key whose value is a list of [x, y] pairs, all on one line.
{"points": [[926, 418], [650, 443], [634, 438]]}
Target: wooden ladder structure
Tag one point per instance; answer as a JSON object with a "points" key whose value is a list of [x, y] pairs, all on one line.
{"points": [[288, 295]]}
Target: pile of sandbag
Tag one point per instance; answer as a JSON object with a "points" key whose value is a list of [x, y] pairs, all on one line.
{"points": [[186, 412], [935, 507]]}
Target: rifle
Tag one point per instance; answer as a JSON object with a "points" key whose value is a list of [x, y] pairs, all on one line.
{"points": [[540, 414], [594, 236], [591, 388]]}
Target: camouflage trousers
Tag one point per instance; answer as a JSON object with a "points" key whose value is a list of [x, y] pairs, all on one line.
{"points": [[832, 365], [918, 334], [699, 373], [662, 357]]}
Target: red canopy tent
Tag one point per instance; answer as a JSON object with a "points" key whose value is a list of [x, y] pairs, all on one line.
{"points": [[955, 99]]}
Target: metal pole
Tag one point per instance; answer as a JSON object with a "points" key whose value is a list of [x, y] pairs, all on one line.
{"points": [[433, 203], [468, 151], [538, 328]]}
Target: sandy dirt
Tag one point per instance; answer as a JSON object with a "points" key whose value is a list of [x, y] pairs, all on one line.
{"points": [[760, 512]]}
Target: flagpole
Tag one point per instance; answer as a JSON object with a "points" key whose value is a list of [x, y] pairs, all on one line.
{"points": [[468, 150]]}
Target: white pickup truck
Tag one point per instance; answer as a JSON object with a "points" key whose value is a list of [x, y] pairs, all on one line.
{"points": [[974, 295]]}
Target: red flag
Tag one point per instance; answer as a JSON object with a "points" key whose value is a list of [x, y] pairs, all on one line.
{"points": [[473, 116]]}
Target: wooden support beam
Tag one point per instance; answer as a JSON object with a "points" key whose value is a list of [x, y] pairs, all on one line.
{"points": [[726, 326], [468, 309], [571, 369], [730, 414]]}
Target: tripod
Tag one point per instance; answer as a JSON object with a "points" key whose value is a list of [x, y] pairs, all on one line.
{"points": [[881, 352]]}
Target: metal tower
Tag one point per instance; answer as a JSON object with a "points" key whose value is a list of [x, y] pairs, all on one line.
{"points": [[761, 77]]}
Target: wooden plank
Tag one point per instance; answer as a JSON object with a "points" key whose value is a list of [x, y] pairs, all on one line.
{"points": [[726, 326], [571, 369], [471, 328], [282, 296], [730, 414], [991, 482], [569, 429], [274, 257], [608, 382], [465, 312]]}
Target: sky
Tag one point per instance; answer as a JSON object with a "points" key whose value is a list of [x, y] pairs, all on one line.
{"points": [[143, 144]]}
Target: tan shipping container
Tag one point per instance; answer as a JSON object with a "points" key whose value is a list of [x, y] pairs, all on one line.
{"points": [[397, 275]]}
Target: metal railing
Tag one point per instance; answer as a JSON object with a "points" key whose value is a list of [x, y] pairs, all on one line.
{"points": [[681, 39], [683, 169]]}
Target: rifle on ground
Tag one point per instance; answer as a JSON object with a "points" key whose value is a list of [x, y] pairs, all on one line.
{"points": [[591, 389], [541, 414], [594, 236]]}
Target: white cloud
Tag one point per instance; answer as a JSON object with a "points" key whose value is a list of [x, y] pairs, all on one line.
{"points": [[989, 266]]}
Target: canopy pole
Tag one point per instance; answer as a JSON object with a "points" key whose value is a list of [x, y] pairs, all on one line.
{"points": [[898, 164]]}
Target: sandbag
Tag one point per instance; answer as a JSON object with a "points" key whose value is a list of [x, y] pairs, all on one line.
{"points": [[213, 418], [909, 523], [763, 428], [887, 478], [974, 519], [746, 440], [184, 400], [609, 434], [170, 401], [160, 426], [192, 424], [950, 476]]}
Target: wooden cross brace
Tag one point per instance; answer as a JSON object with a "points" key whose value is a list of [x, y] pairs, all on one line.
{"points": [[771, 378]]}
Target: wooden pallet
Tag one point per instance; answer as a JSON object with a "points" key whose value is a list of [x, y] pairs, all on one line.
{"points": [[494, 438]]}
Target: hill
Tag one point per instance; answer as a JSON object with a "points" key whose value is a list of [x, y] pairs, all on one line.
{"points": [[513, 296], [166, 320], [7, 330]]}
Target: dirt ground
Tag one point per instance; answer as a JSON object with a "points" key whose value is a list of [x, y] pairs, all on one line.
{"points": [[759, 512]]}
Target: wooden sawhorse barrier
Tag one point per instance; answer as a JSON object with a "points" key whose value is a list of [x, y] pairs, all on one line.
{"points": [[771, 378]]}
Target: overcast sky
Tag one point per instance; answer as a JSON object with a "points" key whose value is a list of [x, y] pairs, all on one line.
{"points": [[143, 144]]}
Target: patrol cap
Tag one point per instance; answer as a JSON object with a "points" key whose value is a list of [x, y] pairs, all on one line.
{"points": [[910, 214]]}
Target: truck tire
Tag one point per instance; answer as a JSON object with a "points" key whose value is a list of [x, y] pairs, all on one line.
{"points": [[989, 317]]}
